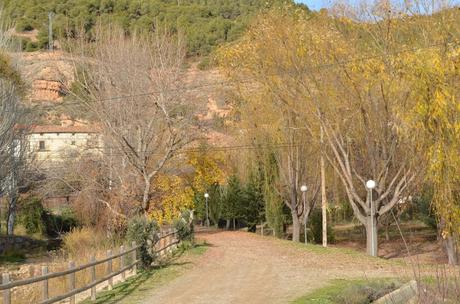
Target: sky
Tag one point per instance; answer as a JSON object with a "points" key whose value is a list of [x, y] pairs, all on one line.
{"points": [[319, 4], [314, 4]]}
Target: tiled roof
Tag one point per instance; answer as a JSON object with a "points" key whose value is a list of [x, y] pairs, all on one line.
{"points": [[62, 129]]}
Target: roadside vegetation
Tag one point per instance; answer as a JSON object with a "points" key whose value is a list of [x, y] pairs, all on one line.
{"points": [[350, 292], [136, 289]]}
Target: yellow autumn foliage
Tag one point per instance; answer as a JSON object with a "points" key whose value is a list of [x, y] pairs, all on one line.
{"points": [[176, 196], [209, 168], [435, 120]]}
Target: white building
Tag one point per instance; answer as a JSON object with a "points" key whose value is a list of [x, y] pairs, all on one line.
{"points": [[59, 143]]}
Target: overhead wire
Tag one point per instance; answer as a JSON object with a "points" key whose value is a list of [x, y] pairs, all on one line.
{"points": [[67, 102]]}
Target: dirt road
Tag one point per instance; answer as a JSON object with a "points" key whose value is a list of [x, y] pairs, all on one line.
{"points": [[240, 267]]}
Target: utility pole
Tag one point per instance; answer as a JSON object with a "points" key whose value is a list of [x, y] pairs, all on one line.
{"points": [[50, 31], [323, 189]]}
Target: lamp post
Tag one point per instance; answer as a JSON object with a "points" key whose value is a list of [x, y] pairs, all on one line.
{"points": [[370, 185], [206, 196], [304, 189]]}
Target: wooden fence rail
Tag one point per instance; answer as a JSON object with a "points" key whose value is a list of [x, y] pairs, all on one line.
{"points": [[167, 241]]}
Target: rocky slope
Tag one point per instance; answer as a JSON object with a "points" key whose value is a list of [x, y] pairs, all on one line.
{"points": [[48, 74]]}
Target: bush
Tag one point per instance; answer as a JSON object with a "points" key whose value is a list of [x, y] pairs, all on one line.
{"points": [[205, 63], [184, 227], [31, 46], [425, 211], [316, 227], [145, 233], [24, 24], [57, 224], [31, 215]]}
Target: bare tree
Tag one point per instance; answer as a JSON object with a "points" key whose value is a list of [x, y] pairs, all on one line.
{"points": [[145, 128], [13, 147], [298, 165]]}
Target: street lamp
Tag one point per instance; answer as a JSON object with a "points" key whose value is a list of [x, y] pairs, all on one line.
{"points": [[370, 185], [206, 196], [304, 189]]}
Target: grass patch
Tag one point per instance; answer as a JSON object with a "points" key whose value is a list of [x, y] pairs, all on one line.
{"points": [[340, 252], [319, 249], [350, 292], [135, 289], [12, 257]]}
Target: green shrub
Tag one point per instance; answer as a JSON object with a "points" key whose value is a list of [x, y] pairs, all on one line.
{"points": [[183, 226], [31, 215], [31, 46], [205, 63], [145, 233], [316, 228], [425, 210], [24, 24], [57, 224]]}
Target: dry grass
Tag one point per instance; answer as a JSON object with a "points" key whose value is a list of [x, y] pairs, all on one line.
{"points": [[442, 287], [79, 246]]}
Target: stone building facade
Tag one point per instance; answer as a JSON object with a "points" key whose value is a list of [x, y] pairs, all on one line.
{"points": [[52, 143]]}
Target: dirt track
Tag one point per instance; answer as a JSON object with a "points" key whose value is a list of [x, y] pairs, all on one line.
{"points": [[241, 267]]}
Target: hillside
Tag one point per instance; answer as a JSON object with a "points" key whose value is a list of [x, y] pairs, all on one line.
{"points": [[206, 23]]}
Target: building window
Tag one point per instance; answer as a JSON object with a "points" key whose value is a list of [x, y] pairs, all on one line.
{"points": [[57, 134], [41, 134], [41, 145], [73, 143], [91, 142]]}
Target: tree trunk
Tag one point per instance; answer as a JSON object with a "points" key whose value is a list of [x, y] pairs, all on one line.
{"points": [[234, 224], [451, 248], [387, 232], [146, 195], [227, 224], [11, 215], [295, 227], [371, 236]]}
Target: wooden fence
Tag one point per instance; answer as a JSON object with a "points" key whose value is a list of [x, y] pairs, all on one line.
{"points": [[167, 241]]}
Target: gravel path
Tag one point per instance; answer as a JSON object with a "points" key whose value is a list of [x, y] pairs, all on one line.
{"points": [[241, 267]]}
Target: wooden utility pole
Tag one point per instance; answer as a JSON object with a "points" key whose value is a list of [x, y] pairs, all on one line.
{"points": [[323, 190]]}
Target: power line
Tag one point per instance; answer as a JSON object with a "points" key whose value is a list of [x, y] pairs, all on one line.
{"points": [[180, 152], [321, 66], [68, 102]]}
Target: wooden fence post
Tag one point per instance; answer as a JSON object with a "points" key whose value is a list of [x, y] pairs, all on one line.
{"points": [[45, 288], [122, 262], [109, 268], [6, 292], [134, 257], [168, 240], [175, 239], [93, 279], [160, 243], [31, 271], [72, 281]]}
